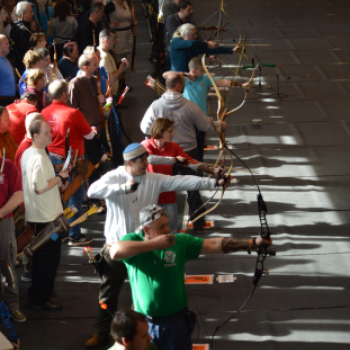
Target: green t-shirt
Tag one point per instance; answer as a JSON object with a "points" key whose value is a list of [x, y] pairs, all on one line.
{"points": [[157, 277]]}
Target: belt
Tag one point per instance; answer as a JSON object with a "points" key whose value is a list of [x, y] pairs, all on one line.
{"points": [[63, 158], [122, 29], [166, 318], [6, 217]]}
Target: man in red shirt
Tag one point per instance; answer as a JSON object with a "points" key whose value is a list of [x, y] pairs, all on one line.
{"points": [[18, 112], [61, 118], [6, 139], [11, 195]]}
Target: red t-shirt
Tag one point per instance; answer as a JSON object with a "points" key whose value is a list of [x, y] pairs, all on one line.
{"points": [[170, 149], [60, 118], [10, 181], [18, 112], [25, 144]]}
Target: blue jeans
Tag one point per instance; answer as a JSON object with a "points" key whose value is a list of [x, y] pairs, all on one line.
{"points": [[76, 200], [171, 332], [171, 210]]}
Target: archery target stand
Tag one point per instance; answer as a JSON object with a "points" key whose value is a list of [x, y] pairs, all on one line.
{"points": [[260, 88], [278, 90]]}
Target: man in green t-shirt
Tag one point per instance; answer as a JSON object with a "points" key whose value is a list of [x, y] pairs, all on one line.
{"points": [[155, 261], [129, 330]]}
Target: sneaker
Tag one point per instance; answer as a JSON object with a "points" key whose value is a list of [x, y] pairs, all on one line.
{"points": [[18, 315], [96, 340], [26, 277], [50, 305], [81, 240]]}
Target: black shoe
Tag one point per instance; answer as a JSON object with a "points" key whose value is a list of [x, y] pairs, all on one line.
{"points": [[48, 306], [81, 240]]}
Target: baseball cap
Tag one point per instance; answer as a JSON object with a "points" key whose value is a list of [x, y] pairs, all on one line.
{"points": [[149, 214]]}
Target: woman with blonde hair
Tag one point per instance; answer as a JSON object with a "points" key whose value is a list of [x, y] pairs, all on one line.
{"points": [[35, 83], [161, 144], [32, 59]]}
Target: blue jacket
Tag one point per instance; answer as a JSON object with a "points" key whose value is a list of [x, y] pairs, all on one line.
{"points": [[182, 51]]}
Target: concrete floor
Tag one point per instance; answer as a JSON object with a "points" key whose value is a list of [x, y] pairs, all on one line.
{"points": [[300, 154]]}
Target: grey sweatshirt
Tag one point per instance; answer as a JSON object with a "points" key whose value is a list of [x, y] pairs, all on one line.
{"points": [[186, 116]]}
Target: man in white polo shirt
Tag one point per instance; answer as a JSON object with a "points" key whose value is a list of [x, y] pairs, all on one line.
{"points": [[43, 205]]}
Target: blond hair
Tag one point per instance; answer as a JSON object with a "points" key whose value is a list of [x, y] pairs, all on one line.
{"points": [[31, 57], [195, 63], [34, 75]]}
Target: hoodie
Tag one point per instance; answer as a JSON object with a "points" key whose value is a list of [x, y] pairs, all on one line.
{"points": [[187, 116]]}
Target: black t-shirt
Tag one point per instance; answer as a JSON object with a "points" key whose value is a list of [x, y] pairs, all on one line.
{"points": [[86, 35], [67, 68]]}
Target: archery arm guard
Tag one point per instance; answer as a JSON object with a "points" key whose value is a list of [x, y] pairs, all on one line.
{"points": [[231, 245]]}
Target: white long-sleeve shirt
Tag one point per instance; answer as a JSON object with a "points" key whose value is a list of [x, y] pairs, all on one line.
{"points": [[123, 209]]}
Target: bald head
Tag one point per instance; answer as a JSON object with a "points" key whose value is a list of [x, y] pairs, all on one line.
{"points": [[32, 117], [4, 45], [175, 82]]}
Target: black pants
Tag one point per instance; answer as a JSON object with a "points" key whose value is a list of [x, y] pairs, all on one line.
{"points": [[200, 136], [45, 264], [194, 199], [113, 276], [93, 152]]}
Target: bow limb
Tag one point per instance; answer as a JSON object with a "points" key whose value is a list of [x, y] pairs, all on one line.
{"points": [[245, 95], [220, 101], [54, 61], [134, 35], [220, 110], [211, 209], [236, 73], [222, 8]]}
